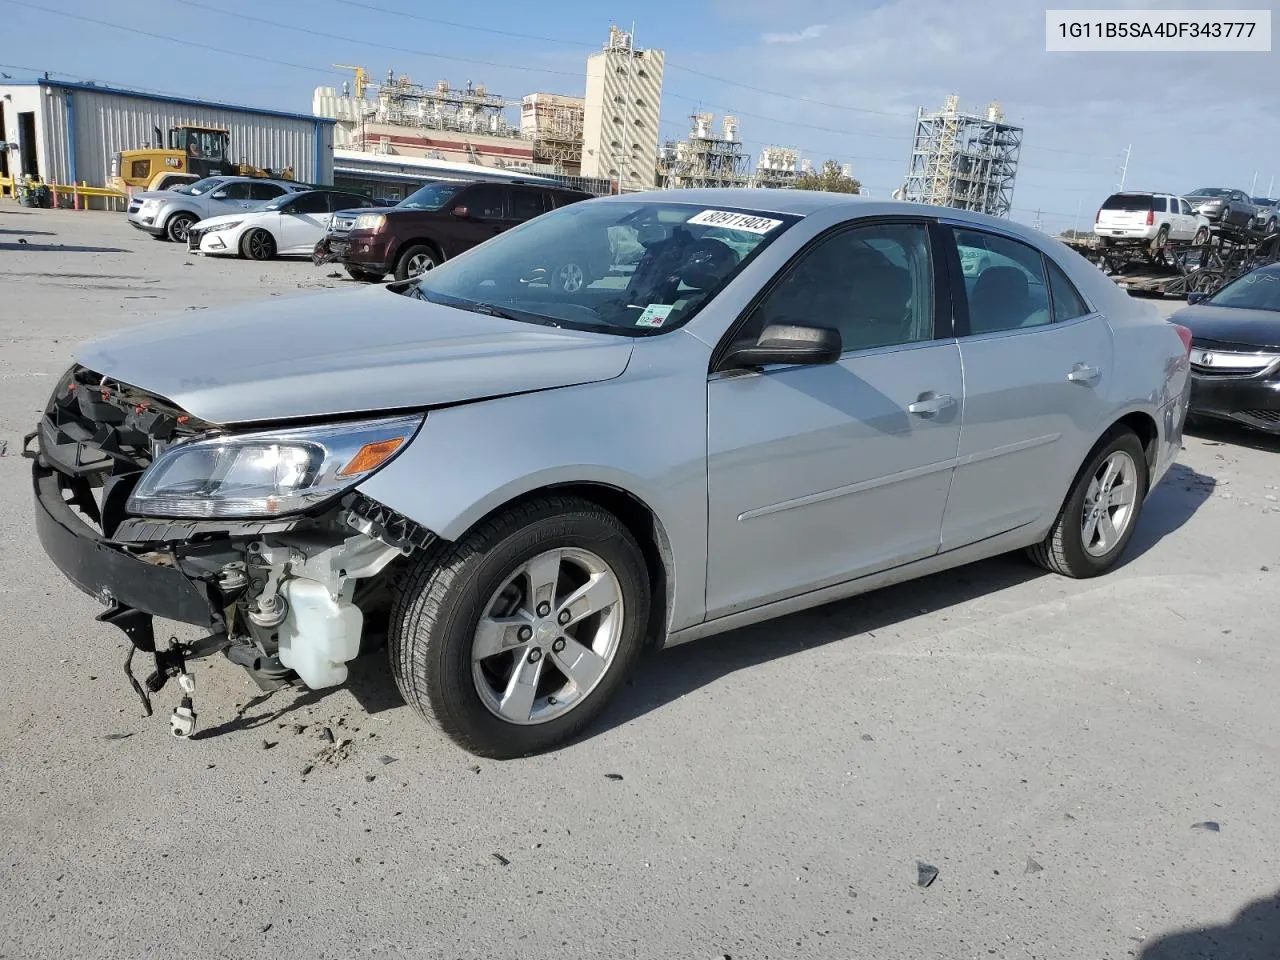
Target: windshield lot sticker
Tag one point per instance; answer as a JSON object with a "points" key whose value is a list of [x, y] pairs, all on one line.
{"points": [[654, 315], [735, 221]]}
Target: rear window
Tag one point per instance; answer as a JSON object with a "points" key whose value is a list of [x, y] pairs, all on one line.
{"points": [[1128, 202]]}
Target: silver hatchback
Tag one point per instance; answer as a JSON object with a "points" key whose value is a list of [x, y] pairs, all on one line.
{"points": [[772, 400]]}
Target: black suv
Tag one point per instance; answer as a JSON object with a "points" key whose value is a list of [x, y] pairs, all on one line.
{"points": [[436, 222]]}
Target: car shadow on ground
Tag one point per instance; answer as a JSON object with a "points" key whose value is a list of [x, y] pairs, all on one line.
{"points": [[1225, 432], [673, 673], [59, 248], [1253, 934], [30, 233]]}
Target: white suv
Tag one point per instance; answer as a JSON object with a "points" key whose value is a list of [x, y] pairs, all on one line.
{"points": [[1160, 217]]}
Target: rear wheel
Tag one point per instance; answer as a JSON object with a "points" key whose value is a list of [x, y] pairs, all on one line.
{"points": [[1162, 238], [258, 245], [416, 261], [512, 640], [178, 226], [1101, 512], [364, 276]]}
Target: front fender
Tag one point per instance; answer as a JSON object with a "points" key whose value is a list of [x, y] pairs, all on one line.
{"points": [[643, 433]]}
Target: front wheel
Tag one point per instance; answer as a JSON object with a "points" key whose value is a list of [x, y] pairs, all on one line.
{"points": [[416, 261], [512, 639], [258, 245], [1201, 237], [178, 226], [1101, 512]]}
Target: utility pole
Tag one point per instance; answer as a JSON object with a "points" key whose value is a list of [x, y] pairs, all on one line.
{"points": [[1124, 170], [1037, 224], [1075, 226], [1253, 187], [1271, 186]]}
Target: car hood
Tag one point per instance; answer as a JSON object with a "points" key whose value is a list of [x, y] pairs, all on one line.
{"points": [[1253, 328], [356, 351], [1204, 200]]}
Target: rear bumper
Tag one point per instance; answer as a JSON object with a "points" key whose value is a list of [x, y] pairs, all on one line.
{"points": [[1126, 233], [104, 570], [1254, 403]]}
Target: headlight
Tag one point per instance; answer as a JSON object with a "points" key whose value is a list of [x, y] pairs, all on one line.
{"points": [[370, 221], [223, 226], [267, 474]]}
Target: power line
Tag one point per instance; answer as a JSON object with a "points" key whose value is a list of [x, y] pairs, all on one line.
{"points": [[371, 43]]}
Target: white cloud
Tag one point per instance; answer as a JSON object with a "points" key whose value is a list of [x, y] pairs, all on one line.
{"points": [[808, 33], [878, 60]]}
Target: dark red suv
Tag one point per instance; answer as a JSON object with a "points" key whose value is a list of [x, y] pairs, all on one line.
{"points": [[436, 222]]}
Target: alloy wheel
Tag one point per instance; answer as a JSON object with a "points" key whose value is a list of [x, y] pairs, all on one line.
{"points": [[547, 636], [1109, 504]]}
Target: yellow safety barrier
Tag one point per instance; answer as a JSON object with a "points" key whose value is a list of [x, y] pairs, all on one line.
{"points": [[76, 191]]}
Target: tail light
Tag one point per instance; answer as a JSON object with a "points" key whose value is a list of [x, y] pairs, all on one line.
{"points": [[1185, 334], [1151, 217]]}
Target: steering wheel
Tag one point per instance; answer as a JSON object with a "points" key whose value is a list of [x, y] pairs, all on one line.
{"points": [[705, 263]]}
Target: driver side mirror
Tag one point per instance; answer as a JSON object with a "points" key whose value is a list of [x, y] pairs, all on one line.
{"points": [[791, 343], [461, 212]]}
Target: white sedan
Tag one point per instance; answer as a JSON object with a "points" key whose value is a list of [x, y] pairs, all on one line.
{"points": [[288, 226]]}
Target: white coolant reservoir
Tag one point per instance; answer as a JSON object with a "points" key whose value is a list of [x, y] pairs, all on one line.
{"points": [[319, 635]]}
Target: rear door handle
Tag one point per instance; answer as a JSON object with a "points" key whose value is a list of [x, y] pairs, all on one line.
{"points": [[930, 403], [1083, 373]]}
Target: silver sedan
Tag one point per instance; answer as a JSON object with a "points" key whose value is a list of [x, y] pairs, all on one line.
{"points": [[762, 401]]}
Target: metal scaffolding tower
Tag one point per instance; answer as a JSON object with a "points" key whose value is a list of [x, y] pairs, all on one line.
{"points": [[964, 160], [472, 109], [554, 124], [707, 158]]}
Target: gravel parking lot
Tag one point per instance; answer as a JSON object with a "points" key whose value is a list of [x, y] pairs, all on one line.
{"points": [[1046, 744]]}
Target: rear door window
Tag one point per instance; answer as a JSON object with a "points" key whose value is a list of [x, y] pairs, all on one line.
{"points": [[484, 201], [265, 191], [1004, 280], [1067, 302], [527, 204], [310, 203]]}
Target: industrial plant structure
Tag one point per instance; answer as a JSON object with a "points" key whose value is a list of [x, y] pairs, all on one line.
{"points": [[553, 123], [964, 160], [621, 112], [708, 158]]}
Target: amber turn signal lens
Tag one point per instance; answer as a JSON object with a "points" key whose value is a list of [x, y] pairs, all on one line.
{"points": [[371, 455]]}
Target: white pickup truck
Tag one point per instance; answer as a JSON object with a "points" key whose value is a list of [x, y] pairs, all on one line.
{"points": [[1157, 217]]}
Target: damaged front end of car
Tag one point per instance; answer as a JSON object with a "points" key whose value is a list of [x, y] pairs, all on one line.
{"points": [[256, 535]]}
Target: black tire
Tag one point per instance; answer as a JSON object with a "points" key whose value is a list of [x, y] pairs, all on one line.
{"points": [[258, 244], [1269, 228], [176, 227], [364, 276], [1162, 238], [1201, 237], [1063, 550], [442, 597], [406, 266]]}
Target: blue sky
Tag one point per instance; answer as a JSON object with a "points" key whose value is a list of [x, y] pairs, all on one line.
{"points": [[840, 79]]}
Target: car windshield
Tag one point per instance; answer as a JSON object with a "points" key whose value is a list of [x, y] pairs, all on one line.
{"points": [[1210, 192], [1259, 290], [433, 196], [631, 268], [200, 186], [1263, 201]]}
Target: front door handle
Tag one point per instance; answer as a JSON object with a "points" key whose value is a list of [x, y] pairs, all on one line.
{"points": [[930, 403], [1083, 373]]}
